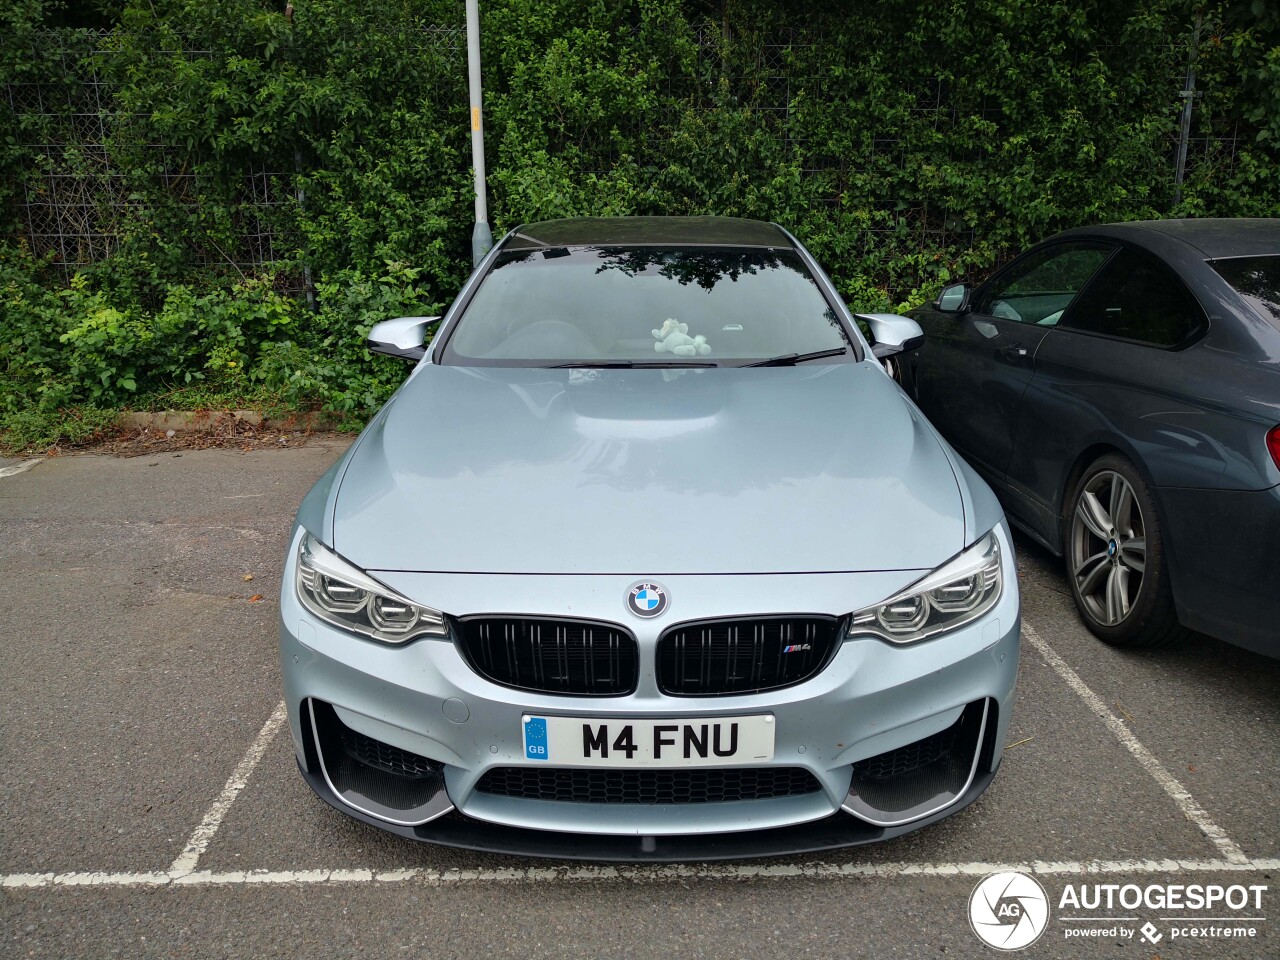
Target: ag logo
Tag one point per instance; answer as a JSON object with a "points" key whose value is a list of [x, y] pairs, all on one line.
{"points": [[1008, 911]]}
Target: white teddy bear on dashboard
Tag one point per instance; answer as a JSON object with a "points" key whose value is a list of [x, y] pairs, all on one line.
{"points": [[674, 338]]}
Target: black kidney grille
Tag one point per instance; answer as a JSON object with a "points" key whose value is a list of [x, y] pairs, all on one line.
{"points": [[708, 785], [552, 656], [743, 656]]}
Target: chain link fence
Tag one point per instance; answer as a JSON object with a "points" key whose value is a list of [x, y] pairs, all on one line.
{"points": [[76, 202], [76, 199]]}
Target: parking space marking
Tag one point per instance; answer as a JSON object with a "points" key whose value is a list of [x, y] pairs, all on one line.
{"points": [[183, 871], [17, 468], [204, 833], [1181, 796], [635, 873]]}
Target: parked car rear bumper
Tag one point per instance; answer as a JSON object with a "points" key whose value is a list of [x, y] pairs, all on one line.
{"points": [[1224, 553]]}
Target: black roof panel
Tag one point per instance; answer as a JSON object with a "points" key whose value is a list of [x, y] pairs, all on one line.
{"points": [[625, 231], [1213, 237]]}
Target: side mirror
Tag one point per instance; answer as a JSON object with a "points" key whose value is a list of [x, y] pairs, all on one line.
{"points": [[892, 334], [953, 299], [403, 337]]}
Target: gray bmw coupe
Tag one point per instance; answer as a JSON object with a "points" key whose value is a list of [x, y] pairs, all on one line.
{"points": [[649, 558], [1119, 385]]}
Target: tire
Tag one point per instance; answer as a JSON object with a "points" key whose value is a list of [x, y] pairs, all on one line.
{"points": [[1115, 559]]}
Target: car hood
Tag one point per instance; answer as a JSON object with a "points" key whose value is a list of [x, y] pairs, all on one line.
{"points": [[818, 468]]}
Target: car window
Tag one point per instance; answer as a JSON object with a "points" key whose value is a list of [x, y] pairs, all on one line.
{"points": [[1038, 288], [1135, 297], [644, 304], [1257, 279]]}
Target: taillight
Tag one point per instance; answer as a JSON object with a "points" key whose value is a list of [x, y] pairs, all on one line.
{"points": [[1273, 443]]}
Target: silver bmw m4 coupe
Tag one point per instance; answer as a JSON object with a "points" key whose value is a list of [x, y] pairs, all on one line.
{"points": [[649, 559]]}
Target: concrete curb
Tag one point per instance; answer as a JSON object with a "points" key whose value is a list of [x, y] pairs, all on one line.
{"points": [[223, 421]]}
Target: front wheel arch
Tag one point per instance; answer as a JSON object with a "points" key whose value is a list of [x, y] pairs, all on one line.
{"points": [[1152, 619], [1071, 479], [1088, 456]]}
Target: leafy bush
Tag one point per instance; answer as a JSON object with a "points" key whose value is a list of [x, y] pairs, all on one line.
{"points": [[907, 143], [329, 365], [83, 345], [32, 367], [38, 430]]}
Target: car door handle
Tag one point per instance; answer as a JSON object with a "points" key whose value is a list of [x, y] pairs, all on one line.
{"points": [[1013, 352]]}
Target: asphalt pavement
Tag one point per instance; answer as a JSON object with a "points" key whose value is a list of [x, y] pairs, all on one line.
{"points": [[152, 806]]}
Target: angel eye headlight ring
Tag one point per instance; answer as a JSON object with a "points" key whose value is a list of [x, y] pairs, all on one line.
{"points": [[957, 593], [345, 596]]}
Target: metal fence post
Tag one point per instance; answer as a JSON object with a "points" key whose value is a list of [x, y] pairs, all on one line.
{"points": [[1188, 99]]}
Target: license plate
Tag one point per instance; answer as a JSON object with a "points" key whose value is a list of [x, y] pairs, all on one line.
{"points": [[604, 742]]}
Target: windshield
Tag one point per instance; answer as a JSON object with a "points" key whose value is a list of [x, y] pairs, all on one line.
{"points": [[643, 306], [1257, 279]]}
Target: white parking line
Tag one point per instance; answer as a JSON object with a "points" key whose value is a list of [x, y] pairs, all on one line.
{"points": [[17, 468], [1181, 796], [183, 873], [204, 833], [634, 874]]}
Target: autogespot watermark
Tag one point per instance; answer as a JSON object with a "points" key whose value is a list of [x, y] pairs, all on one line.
{"points": [[1011, 910]]}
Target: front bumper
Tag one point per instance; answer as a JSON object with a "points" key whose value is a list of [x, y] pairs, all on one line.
{"points": [[871, 698], [830, 833]]}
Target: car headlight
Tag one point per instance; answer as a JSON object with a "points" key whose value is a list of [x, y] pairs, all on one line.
{"points": [[958, 592], [347, 597]]}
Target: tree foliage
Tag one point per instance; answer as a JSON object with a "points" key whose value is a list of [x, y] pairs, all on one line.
{"points": [[908, 142]]}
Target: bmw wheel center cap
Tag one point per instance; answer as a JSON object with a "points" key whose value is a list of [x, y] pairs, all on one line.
{"points": [[647, 599]]}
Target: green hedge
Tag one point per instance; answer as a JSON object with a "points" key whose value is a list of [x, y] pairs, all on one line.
{"points": [[907, 142]]}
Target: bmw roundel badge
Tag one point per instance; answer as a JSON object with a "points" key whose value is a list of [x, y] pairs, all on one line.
{"points": [[646, 599]]}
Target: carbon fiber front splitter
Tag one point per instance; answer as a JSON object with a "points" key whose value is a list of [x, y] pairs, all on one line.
{"points": [[831, 833]]}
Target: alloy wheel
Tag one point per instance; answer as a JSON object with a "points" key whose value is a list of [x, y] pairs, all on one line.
{"points": [[1108, 547]]}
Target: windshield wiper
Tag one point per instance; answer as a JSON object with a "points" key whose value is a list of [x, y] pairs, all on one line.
{"points": [[591, 364], [628, 364], [791, 359]]}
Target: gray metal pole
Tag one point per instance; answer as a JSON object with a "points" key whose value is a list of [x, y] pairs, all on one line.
{"points": [[481, 236]]}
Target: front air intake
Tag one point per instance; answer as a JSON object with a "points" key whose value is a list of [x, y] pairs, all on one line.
{"points": [[373, 777], [923, 777], [717, 785]]}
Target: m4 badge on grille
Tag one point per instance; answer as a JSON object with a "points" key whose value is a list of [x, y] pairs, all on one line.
{"points": [[647, 599], [797, 647]]}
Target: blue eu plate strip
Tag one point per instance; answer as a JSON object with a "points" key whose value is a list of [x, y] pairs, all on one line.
{"points": [[535, 738]]}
